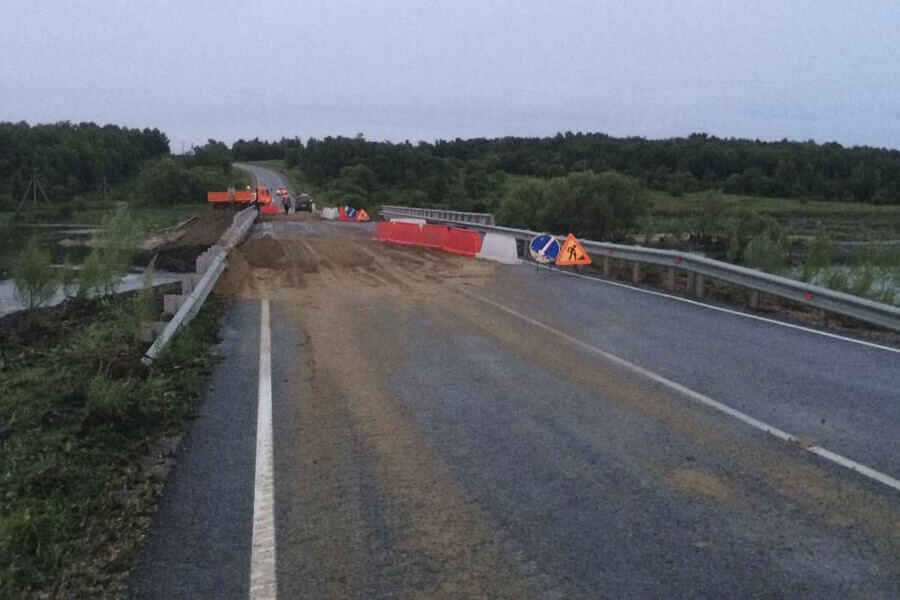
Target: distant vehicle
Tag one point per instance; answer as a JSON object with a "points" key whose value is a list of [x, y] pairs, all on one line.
{"points": [[281, 192], [302, 202], [240, 198]]}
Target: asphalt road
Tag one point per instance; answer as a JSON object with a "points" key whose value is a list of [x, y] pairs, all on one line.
{"points": [[264, 177], [447, 428]]}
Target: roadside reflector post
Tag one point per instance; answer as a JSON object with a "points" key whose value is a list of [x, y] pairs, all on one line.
{"points": [[636, 273], [606, 266], [754, 299], [700, 286], [670, 280]]}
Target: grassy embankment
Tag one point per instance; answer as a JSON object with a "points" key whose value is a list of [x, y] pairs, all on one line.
{"points": [[82, 427]]}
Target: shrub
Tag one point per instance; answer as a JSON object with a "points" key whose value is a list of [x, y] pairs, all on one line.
{"points": [[712, 219], [34, 277], [110, 259], [765, 253], [92, 277], [819, 256]]}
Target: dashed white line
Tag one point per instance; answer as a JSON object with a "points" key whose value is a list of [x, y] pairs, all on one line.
{"points": [[729, 311], [262, 554], [697, 396]]}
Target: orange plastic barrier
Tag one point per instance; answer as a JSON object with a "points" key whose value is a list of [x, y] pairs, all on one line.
{"points": [[405, 234], [269, 209], [433, 236], [342, 214], [381, 231], [462, 241]]}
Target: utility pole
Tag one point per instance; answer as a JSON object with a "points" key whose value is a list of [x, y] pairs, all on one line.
{"points": [[33, 186]]}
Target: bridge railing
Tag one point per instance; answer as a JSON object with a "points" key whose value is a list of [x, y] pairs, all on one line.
{"points": [[438, 215], [218, 254], [699, 269]]}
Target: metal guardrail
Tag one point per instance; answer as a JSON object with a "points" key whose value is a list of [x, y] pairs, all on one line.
{"points": [[240, 225], [438, 215], [699, 268]]}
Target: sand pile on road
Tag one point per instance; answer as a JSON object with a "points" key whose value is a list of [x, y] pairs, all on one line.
{"points": [[272, 268], [264, 253], [238, 274]]}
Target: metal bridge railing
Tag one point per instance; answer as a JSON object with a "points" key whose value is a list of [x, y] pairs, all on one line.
{"points": [[698, 268]]}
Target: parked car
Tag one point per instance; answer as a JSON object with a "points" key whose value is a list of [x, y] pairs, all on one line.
{"points": [[303, 202]]}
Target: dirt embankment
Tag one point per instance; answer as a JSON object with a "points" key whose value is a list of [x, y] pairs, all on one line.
{"points": [[179, 255]]}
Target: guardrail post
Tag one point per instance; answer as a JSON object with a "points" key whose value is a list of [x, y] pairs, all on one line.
{"points": [[606, 266], [670, 279], [700, 286], [636, 273], [754, 299]]}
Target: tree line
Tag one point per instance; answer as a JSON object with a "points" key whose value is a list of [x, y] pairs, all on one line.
{"points": [[466, 171], [72, 159], [76, 163]]}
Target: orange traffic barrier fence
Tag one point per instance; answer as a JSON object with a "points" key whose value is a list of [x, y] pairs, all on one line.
{"points": [[381, 231], [405, 234], [462, 241], [432, 236]]}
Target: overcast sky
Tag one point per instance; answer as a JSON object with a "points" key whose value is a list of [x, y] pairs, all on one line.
{"points": [[827, 70]]}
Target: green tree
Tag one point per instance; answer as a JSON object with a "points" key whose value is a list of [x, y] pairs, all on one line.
{"points": [[604, 206], [521, 205], [34, 277]]}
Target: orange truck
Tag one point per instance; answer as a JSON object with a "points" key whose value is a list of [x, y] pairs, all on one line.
{"points": [[240, 198]]}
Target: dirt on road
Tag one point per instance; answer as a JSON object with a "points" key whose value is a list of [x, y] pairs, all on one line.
{"points": [[379, 512], [341, 265]]}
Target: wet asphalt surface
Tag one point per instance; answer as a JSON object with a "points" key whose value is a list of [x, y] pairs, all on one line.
{"points": [[429, 445]]}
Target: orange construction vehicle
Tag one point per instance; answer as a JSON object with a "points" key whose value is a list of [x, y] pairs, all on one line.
{"points": [[240, 198]]}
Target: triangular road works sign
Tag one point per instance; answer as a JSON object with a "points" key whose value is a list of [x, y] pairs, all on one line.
{"points": [[572, 253], [362, 215]]}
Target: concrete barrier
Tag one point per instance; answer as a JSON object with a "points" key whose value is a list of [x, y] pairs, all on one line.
{"points": [[499, 248]]}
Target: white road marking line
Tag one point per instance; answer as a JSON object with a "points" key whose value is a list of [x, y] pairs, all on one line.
{"points": [[705, 400], [262, 555], [726, 310]]}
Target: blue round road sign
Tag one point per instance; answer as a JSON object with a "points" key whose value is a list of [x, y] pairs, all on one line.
{"points": [[351, 213], [544, 248]]}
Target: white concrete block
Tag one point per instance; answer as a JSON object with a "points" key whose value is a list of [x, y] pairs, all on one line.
{"points": [[499, 248]]}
